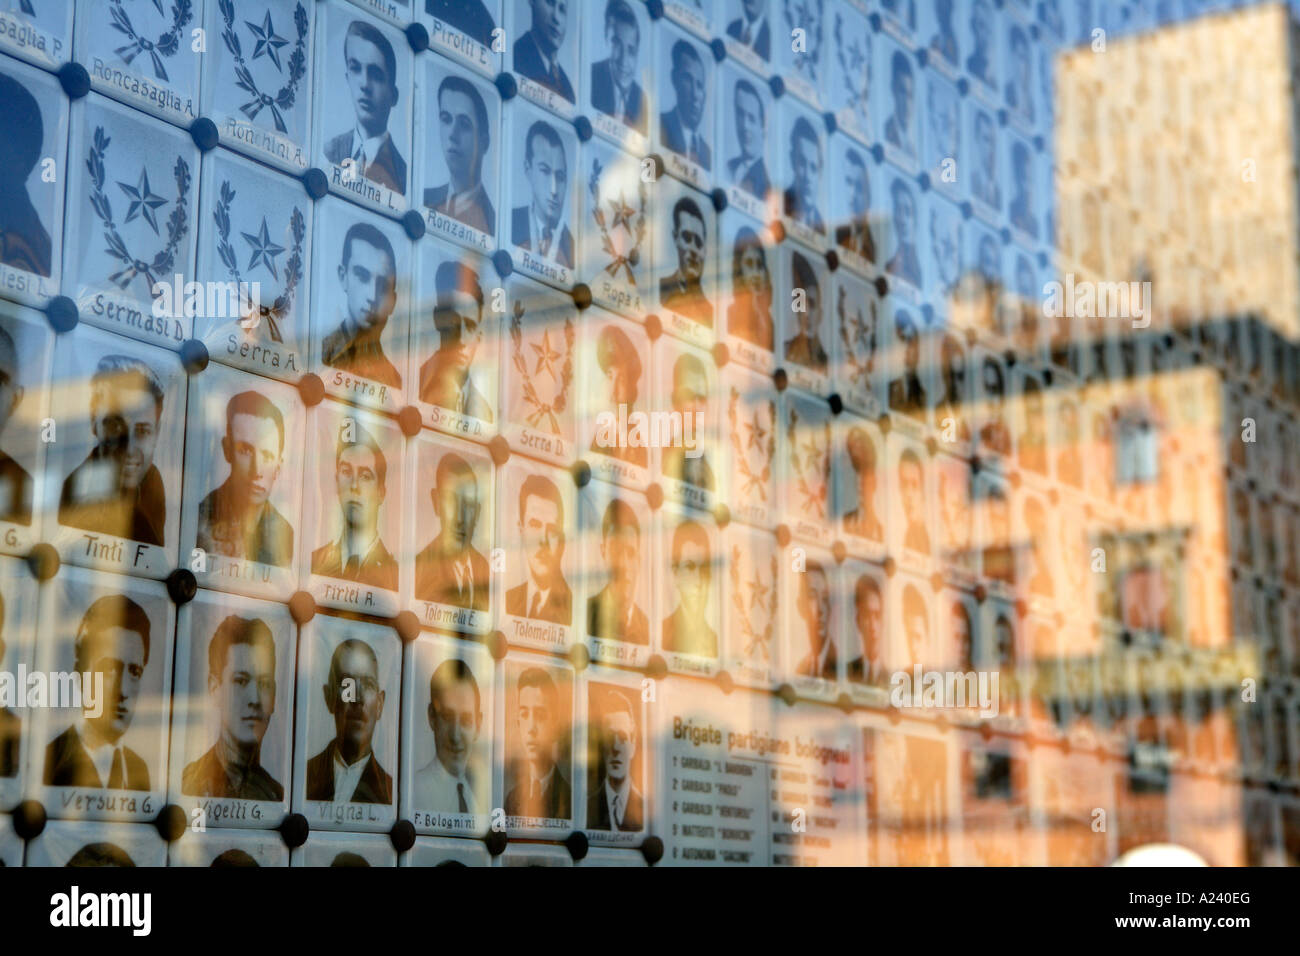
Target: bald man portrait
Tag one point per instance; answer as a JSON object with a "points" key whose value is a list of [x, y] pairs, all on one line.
{"points": [[347, 770]]}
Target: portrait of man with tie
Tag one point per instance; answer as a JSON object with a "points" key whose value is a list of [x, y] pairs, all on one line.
{"points": [[448, 783], [614, 801], [613, 614], [912, 494], [537, 785], [690, 396], [241, 694], [748, 170], [802, 197], [544, 594], [863, 521], [112, 646], [620, 367], [805, 346], [16, 488], [237, 519], [446, 377], [905, 264], [855, 235], [615, 81], [868, 619], [683, 291], [907, 391], [24, 239], [538, 51], [900, 127], [370, 67], [681, 129], [347, 770], [539, 225], [465, 134], [814, 608], [450, 570], [750, 29], [687, 630], [368, 280], [360, 483]]}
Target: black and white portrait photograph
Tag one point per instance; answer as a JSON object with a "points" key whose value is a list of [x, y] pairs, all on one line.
{"points": [[466, 31], [858, 317], [257, 86], [940, 25], [82, 843], [857, 231], [1023, 206], [325, 849], [107, 757], [804, 455], [903, 261], [223, 849], [115, 472], [35, 112], [912, 610], [979, 49], [544, 37], [143, 54], [255, 234], [909, 501], [40, 33], [688, 387], [751, 605], [866, 649], [807, 318], [747, 269], [458, 178], [131, 227], [18, 615], [345, 750], [542, 180], [617, 210], [748, 31], [943, 160], [244, 497], [897, 113], [687, 237], [352, 504], [1018, 90], [616, 437], [849, 62], [448, 528], [684, 128], [536, 515], [811, 622], [984, 166], [617, 536], [26, 347], [616, 759], [447, 732], [689, 554], [232, 713], [617, 59], [454, 341], [751, 425], [860, 483], [540, 358], [362, 288], [802, 148], [801, 53], [538, 718], [363, 76], [743, 134]]}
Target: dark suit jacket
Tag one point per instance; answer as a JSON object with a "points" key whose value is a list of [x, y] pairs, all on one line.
{"points": [[677, 624], [795, 210], [16, 489], [24, 241], [206, 777], [673, 137], [605, 617], [693, 471], [361, 355], [863, 243], [435, 578], [808, 666], [756, 181], [481, 216], [602, 97], [375, 785], [140, 517], [761, 44], [387, 169], [558, 608], [599, 817], [556, 803], [693, 304], [67, 764], [269, 541], [379, 571], [11, 729], [528, 63], [468, 16], [519, 236]]}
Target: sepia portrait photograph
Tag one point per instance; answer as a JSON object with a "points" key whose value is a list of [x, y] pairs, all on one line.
{"points": [[857, 230], [807, 318], [617, 409], [617, 535], [616, 214], [747, 271], [812, 622], [542, 181], [688, 388], [617, 60], [751, 605], [18, 616], [867, 661], [909, 482], [540, 358], [689, 608], [687, 230], [616, 759], [860, 483], [26, 346], [956, 514], [537, 730], [909, 391], [684, 128]]}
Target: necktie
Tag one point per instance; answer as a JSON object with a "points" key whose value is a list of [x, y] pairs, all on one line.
{"points": [[745, 34], [617, 812], [546, 240], [353, 568], [460, 795], [359, 155], [117, 776], [532, 612]]}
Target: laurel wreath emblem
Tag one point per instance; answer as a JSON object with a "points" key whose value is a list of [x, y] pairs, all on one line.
{"points": [[165, 46], [277, 310], [849, 62], [754, 639], [542, 410], [287, 94], [177, 222], [805, 61], [753, 481], [618, 261], [817, 463]]}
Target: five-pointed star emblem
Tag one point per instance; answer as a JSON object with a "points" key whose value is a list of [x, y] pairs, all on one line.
{"points": [[268, 41], [263, 249], [143, 200], [756, 432], [622, 212], [758, 592], [546, 355], [812, 452]]}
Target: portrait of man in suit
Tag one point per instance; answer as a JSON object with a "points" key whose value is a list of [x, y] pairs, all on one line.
{"points": [[455, 716], [24, 240], [360, 482], [118, 490], [855, 235], [11, 725], [687, 630], [911, 489], [749, 314], [1019, 88], [241, 692], [450, 570], [985, 183], [868, 617], [15, 481], [620, 367], [863, 521], [748, 171], [465, 134], [237, 518], [907, 392], [470, 17], [800, 199], [814, 606], [370, 66], [446, 377], [679, 128], [682, 291], [614, 801], [690, 396], [544, 594], [539, 225], [615, 90], [368, 280], [805, 346], [112, 645], [539, 787], [900, 128], [1023, 216], [944, 42], [348, 765], [905, 263], [751, 28], [613, 614], [980, 62], [916, 626], [537, 52]]}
